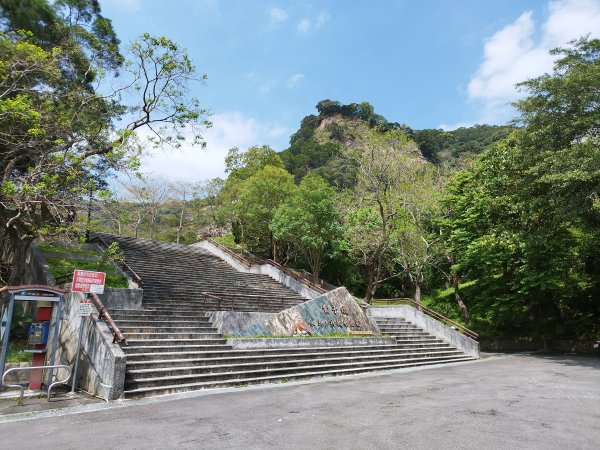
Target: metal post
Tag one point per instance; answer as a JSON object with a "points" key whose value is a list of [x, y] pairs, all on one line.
{"points": [[11, 307], [57, 321], [81, 324]]}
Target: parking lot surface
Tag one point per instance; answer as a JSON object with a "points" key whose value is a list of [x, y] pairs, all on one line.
{"points": [[502, 402]]}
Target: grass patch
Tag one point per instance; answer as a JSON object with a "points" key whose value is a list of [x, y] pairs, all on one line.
{"points": [[59, 267], [448, 294], [55, 248], [17, 354]]}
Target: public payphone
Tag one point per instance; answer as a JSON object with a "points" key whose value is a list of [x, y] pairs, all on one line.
{"points": [[38, 333], [43, 299]]}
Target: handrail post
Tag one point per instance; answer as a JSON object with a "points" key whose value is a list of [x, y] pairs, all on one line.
{"points": [[103, 313]]}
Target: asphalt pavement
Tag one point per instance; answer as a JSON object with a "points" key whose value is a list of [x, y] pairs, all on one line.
{"points": [[503, 402]]}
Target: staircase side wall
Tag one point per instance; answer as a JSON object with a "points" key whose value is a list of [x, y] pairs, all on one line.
{"points": [[430, 325], [261, 269], [101, 369]]}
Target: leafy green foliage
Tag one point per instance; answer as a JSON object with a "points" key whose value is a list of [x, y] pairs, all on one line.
{"points": [[308, 220], [58, 136], [59, 267], [451, 147], [523, 220]]}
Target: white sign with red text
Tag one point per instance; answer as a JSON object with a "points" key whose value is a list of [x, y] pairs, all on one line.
{"points": [[88, 281]]}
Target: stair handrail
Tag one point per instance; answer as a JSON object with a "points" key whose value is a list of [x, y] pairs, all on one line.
{"points": [[103, 314], [301, 278], [100, 240], [230, 252], [430, 312]]}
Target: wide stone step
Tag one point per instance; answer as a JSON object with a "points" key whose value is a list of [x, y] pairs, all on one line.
{"points": [[295, 358], [161, 348], [171, 342], [153, 315], [390, 330], [172, 389], [170, 331], [284, 372], [428, 338], [303, 363], [191, 335], [275, 353], [163, 323]]}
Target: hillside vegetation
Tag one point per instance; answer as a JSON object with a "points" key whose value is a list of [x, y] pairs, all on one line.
{"points": [[496, 225]]}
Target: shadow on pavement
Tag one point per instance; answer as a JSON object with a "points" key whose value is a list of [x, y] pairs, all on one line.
{"points": [[570, 359]]}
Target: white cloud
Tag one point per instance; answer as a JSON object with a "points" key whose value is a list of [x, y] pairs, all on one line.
{"points": [[266, 86], [294, 80], [306, 26], [519, 51], [277, 16], [454, 126], [230, 129]]}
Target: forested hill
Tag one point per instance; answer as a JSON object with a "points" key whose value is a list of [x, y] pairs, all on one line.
{"points": [[316, 146]]}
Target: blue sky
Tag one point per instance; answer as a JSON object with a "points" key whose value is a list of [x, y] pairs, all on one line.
{"points": [[428, 64]]}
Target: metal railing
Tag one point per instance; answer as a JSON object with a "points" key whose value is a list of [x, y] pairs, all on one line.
{"points": [[227, 302], [429, 312], [103, 314], [250, 262], [29, 369], [239, 256], [126, 267], [296, 276]]}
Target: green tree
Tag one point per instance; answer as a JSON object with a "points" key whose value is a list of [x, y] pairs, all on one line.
{"points": [[524, 220], [373, 211], [308, 219], [259, 197], [57, 127]]}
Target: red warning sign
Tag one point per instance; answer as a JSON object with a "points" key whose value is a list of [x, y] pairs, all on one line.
{"points": [[88, 281]]}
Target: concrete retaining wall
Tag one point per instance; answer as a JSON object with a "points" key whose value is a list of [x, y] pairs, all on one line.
{"points": [[262, 269], [36, 269], [102, 363], [121, 298], [430, 325], [304, 342], [334, 312]]}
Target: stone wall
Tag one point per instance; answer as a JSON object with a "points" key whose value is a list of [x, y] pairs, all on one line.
{"points": [[102, 364], [334, 312], [232, 322]]}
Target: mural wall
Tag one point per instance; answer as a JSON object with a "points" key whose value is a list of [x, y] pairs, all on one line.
{"points": [[334, 312]]}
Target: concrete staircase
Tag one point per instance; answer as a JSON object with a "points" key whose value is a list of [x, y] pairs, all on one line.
{"points": [[179, 350], [176, 274], [173, 347], [407, 334]]}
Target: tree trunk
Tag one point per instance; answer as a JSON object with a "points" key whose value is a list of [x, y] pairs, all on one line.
{"points": [[180, 228], [418, 291], [371, 285], [463, 308], [17, 264]]}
